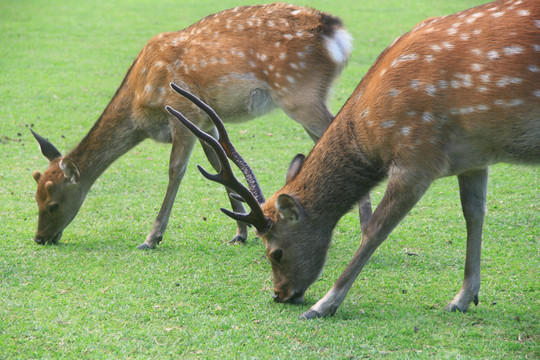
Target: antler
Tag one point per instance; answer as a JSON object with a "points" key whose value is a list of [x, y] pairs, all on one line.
{"points": [[224, 148]]}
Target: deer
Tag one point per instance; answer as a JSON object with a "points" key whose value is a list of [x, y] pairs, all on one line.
{"points": [[244, 62], [451, 97]]}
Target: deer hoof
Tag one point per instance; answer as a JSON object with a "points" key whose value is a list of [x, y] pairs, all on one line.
{"points": [[310, 314], [455, 307], [238, 239], [144, 246]]}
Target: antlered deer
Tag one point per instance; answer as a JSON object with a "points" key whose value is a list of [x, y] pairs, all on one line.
{"points": [[451, 97], [243, 62]]}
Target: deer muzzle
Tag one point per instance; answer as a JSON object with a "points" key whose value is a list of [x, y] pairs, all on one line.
{"points": [[41, 240]]}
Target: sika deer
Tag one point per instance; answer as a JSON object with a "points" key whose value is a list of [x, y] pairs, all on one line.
{"points": [[243, 62], [451, 97]]}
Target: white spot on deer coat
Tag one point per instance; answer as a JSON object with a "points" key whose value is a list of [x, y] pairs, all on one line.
{"points": [[443, 84], [431, 90], [447, 45], [524, 12], [536, 93], [476, 52], [393, 92], [533, 68], [512, 50], [477, 67], [427, 117], [498, 14], [402, 58], [482, 107], [388, 124], [485, 78], [508, 103], [493, 55], [537, 23], [507, 80], [406, 130], [465, 79], [365, 113], [415, 84]]}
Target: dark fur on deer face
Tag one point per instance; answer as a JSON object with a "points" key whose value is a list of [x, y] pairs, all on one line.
{"points": [[59, 196], [297, 252]]}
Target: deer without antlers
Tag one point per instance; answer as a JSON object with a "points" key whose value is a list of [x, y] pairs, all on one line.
{"points": [[243, 62], [451, 97]]}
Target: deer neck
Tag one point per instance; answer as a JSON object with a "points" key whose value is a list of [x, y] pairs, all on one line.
{"points": [[335, 176], [113, 134]]}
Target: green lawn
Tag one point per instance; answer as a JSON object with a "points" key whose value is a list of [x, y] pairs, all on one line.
{"points": [[95, 296]]}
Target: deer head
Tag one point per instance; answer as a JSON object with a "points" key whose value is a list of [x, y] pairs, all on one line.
{"points": [[59, 196]]}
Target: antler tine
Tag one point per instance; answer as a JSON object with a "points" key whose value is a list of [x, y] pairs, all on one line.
{"points": [[226, 176], [226, 144]]}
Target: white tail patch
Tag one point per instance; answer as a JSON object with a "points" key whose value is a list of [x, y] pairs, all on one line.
{"points": [[339, 46]]}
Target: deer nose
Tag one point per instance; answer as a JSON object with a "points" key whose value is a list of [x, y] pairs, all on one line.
{"points": [[276, 297], [39, 240]]}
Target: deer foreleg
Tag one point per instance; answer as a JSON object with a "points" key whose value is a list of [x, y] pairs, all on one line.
{"points": [[182, 144], [241, 229], [364, 211], [399, 198], [473, 190]]}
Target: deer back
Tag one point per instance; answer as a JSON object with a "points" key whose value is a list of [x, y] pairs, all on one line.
{"points": [[245, 61], [463, 90]]}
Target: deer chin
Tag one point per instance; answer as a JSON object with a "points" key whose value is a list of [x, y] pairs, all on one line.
{"points": [[52, 240]]}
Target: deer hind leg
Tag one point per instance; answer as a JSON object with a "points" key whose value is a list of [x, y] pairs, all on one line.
{"points": [[242, 229], [182, 145], [473, 189], [399, 198]]}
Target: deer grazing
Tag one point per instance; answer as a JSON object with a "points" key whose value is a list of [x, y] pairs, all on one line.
{"points": [[243, 62], [451, 97]]}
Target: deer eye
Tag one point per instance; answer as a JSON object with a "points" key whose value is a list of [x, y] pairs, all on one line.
{"points": [[277, 255], [52, 208]]}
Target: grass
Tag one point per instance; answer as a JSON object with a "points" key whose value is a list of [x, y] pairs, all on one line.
{"points": [[96, 296]]}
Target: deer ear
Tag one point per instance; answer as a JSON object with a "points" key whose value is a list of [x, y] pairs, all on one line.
{"points": [[294, 168], [289, 209], [70, 170], [47, 149], [36, 175]]}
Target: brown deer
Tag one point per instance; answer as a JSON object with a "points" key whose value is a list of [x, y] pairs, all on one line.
{"points": [[451, 97], [243, 62]]}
